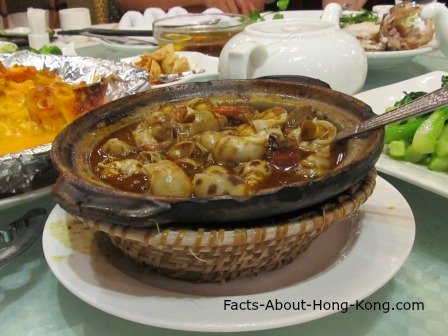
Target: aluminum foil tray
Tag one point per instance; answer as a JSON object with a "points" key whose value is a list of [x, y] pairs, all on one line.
{"points": [[24, 171]]}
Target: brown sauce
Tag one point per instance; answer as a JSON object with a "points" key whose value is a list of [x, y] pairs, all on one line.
{"points": [[207, 43], [281, 160]]}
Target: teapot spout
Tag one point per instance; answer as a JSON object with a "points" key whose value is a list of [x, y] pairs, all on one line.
{"points": [[332, 14], [438, 12]]}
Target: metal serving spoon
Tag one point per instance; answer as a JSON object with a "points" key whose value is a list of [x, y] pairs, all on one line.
{"points": [[120, 39], [201, 24], [19, 235], [419, 106], [164, 79]]}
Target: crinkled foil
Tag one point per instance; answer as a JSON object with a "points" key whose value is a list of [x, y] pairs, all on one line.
{"points": [[20, 172]]}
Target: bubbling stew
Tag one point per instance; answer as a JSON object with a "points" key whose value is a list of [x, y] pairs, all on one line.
{"points": [[202, 149]]}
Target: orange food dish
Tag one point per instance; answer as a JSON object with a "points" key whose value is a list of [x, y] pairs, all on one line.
{"points": [[36, 104], [163, 61]]}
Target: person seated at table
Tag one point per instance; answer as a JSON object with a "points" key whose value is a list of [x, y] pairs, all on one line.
{"points": [[227, 6], [14, 11], [234, 6]]}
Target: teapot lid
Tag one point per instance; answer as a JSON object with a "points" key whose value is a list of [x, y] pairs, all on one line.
{"points": [[291, 27]]}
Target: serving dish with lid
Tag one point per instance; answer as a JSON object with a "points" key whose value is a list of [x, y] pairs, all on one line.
{"points": [[82, 194], [310, 47]]}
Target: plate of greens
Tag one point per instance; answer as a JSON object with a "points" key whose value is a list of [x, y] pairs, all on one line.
{"points": [[415, 150]]}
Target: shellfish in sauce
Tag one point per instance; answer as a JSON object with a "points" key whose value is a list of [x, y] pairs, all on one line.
{"points": [[200, 149]]}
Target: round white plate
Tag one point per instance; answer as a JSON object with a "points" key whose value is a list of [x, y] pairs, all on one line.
{"points": [[131, 47], [377, 59], [295, 14], [124, 47], [381, 98], [9, 202], [391, 59], [339, 268], [197, 61]]}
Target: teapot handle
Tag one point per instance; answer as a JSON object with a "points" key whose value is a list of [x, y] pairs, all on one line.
{"points": [[245, 58], [439, 13], [332, 14]]}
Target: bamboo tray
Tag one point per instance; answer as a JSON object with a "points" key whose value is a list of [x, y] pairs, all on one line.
{"points": [[210, 254]]}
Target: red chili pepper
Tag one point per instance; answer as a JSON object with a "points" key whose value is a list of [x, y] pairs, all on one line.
{"points": [[231, 111]]}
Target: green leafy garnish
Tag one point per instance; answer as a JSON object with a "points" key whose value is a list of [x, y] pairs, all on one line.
{"points": [[363, 16], [8, 48], [255, 16], [412, 20], [408, 97], [444, 80], [50, 49], [282, 5]]}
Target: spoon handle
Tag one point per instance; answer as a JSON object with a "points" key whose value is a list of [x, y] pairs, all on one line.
{"points": [[19, 235], [422, 105]]}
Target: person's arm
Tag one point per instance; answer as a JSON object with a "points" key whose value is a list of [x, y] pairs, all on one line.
{"points": [[346, 4], [141, 5], [227, 6]]}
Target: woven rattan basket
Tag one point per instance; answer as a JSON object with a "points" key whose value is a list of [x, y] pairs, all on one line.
{"points": [[211, 254]]}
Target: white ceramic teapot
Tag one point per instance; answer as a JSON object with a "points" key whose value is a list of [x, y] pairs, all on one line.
{"points": [[307, 47], [438, 12]]}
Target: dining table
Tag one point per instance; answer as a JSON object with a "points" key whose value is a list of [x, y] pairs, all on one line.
{"points": [[33, 302]]}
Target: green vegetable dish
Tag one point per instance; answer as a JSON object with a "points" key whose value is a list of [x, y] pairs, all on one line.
{"points": [[363, 15], [7, 47], [282, 5], [422, 140]]}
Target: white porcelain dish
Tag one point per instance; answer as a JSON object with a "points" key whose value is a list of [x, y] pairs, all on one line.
{"points": [[310, 47], [125, 47], [295, 14], [18, 31], [392, 59], [438, 12], [376, 59], [385, 96], [350, 263], [198, 61], [131, 47]]}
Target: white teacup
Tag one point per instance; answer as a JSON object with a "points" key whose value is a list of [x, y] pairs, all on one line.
{"points": [[438, 12], [75, 18]]}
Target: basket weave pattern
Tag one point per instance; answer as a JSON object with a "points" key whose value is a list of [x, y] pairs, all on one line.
{"points": [[208, 254]]}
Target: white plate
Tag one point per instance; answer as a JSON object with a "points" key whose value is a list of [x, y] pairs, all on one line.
{"points": [[196, 60], [131, 47], [361, 263], [295, 14], [385, 96], [125, 47], [391, 59], [377, 59], [18, 30], [9, 202]]}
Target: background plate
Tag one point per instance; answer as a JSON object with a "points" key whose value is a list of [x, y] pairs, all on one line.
{"points": [[385, 96], [125, 47], [354, 260], [130, 47], [377, 59], [391, 59], [197, 61]]}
